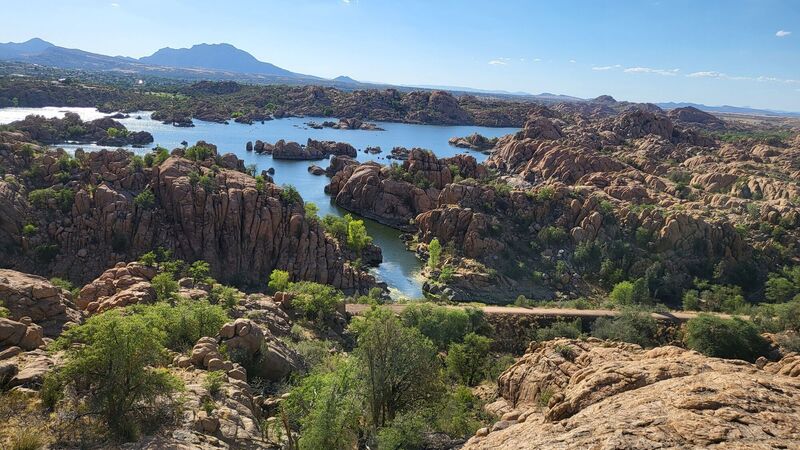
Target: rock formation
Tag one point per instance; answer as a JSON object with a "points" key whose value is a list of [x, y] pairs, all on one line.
{"points": [[593, 394], [474, 141], [312, 150], [217, 213], [38, 300]]}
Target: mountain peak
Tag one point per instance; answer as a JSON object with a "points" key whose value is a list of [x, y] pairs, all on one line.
{"points": [[31, 46], [344, 79], [221, 56]]}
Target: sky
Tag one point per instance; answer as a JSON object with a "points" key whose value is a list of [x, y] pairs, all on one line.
{"points": [[735, 52]]}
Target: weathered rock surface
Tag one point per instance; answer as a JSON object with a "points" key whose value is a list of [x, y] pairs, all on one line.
{"points": [[474, 141], [31, 296], [312, 150], [120, 286], [606, 395]]}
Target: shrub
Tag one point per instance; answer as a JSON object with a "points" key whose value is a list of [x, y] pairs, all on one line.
{"points": [[632, 326], [213, 382], [560, 329], [434, 253], [552, 235], [27, 438], [357, 237], [545, 193], [185, 322], [783, 286], [199, 270], [725, 338], [468, 362], [165, 286], [29, 229], [148, 259], [778, 317], [198, 153], [440, 324], [145, 199], [311, 210], [404, 432], [116, 366], [226, 296], [626, 293], [278, 280], [45, 253], [714, 297], [64, 198], [316, 301], [290, 195]]}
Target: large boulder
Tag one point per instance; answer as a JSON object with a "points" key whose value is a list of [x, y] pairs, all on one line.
{"points": [[580, 394], [35, 297]]}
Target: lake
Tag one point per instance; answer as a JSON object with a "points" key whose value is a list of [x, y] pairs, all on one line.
{"points": [[400, 268]]}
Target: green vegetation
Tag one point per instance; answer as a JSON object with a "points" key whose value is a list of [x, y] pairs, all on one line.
{"points": [[278, 280], [183, 323], [114, 374], [636, 327], [316, 301], [156, 157], [714, 297], [434, 253], [145, 199], [783, 286], [291, 195], [469, 362], [626, 293], [30, 229], [347, 230], [311, 210], [198, 153], [165, 287], [62, 198], [443, 325], [725, 338], [560, 329]]}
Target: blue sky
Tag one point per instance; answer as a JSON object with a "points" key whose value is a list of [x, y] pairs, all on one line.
{"points": [[738, 52]]}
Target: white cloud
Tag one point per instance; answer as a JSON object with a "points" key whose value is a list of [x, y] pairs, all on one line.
{"points": [[782, 33], [604, 68], [725, 76], [572, 61], [115, 5], [346, 1], [499, 61], [665, 72], [537, 59]]}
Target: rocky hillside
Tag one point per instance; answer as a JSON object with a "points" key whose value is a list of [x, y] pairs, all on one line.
{"points": [[597, 394], [77, 216]]}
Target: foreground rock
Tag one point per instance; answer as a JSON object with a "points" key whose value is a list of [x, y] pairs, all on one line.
{"points": [[35, 298], [597, 394]]}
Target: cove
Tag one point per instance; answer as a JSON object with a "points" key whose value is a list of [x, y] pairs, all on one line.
{"points": [[400, 268]]}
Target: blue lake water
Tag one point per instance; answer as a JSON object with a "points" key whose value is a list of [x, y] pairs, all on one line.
{"points": [[400, 267]]}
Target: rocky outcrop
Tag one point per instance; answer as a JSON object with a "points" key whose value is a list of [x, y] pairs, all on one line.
{"points": [[692, 115], [394, 195], [35, 298], [567, 393], [23, 334], [474, 141], [312, 150], [346, 124], [120, 286], [200, 210], [105, 131]]}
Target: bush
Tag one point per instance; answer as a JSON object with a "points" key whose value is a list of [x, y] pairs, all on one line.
{"points": [[443, 325], [213, 382], [290, 195], [560, 329], [45, 253], [783, 286], [278, 280], [626, 293], [64, 198], [116, 369], [714, 297], [145, 199], [552, 235], [165, 286], [316, 301], [199, 270], [311, 210], [725, 338], [357, 237], [29, 229], [226, 296], [779, 317], [468, 362], [184, 323], [635, 327], [434, 253], [198, 153]]}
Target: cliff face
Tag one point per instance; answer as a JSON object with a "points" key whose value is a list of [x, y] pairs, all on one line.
{"points": [[598, 394], [199, 209]]}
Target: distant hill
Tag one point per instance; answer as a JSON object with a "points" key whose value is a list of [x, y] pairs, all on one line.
{"points": [[224, 57], [12, 50], [729, 109]]}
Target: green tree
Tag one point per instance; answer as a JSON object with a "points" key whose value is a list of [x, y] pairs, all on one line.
{"points": [[145, 199], [398, 364], [116, 366], [725, 338], [357, 237], [468, 362], [312, 210], [165, 286], [434, 253], [626, 293], [443, 325], [199, 270], [783, 286], [184, 322], [636, 327], [316, 301], [278, 280]]}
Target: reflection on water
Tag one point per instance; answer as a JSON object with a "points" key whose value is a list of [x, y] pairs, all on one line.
{"points": [[400, 267]]}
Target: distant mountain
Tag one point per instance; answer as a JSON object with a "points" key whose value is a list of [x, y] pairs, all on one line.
{"points": [[345, 79], [12, 50], [223, 57], [729, 109]]}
